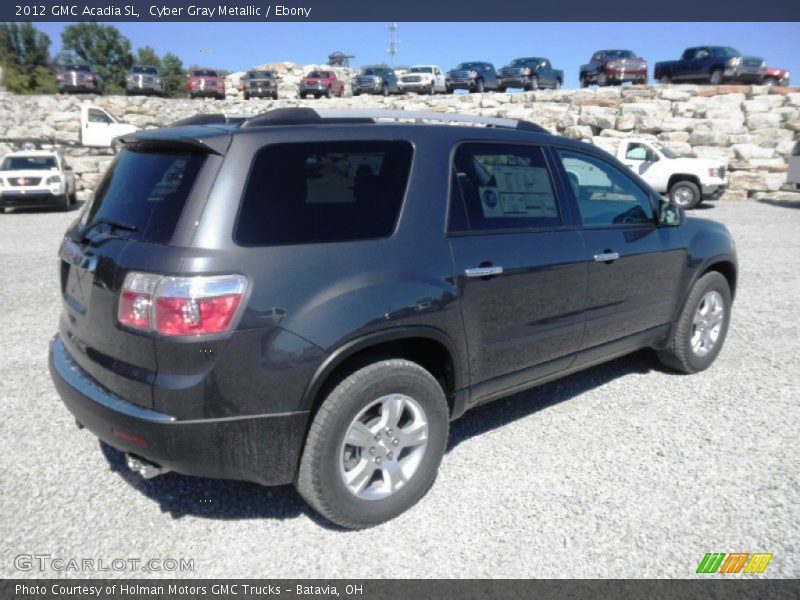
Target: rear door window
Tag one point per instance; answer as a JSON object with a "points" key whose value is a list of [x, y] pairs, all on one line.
{"points": [[503, 187], [146, 190], [324, 192]]}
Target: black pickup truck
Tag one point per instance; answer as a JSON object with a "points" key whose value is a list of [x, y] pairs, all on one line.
{"points": [[529, 74], [711, 64]]}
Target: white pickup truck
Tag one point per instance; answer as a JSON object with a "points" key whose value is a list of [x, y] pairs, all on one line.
{"points": [[36, 179], [423, 79], [99, 127], [688, 181]]}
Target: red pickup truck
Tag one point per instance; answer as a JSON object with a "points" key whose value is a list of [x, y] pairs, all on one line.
{"points": [[775, 76], [321, 83], [205, 82]]}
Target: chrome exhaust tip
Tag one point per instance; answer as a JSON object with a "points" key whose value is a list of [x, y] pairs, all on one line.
{"points": [[143, 467]]}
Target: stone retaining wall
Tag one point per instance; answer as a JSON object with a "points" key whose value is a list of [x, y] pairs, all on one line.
{"points": [[753, 128]]}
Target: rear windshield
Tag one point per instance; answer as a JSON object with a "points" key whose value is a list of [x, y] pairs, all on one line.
{"points": [[21, 163], [146, 190], [324, 192]]}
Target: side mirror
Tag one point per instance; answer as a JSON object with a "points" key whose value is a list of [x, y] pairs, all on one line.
{"points": [[670, 215]]}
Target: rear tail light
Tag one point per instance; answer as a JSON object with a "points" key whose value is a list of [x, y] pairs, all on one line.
{"points": [[180, 306]]}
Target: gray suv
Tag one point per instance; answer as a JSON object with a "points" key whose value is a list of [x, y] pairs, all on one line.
{"points": [[311, 297]]}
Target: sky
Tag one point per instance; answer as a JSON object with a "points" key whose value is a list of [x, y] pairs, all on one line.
{"points": [[239, 46]]}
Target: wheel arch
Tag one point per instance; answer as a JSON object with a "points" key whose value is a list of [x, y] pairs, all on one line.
{"points": [[677, 177], [432, 348]]}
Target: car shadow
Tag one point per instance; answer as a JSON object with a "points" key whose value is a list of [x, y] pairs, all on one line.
{"points": [[781, 203], [183, 495], [75, 206]]}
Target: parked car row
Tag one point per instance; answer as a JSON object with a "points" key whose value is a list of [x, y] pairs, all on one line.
{"points": [[699, 64]]}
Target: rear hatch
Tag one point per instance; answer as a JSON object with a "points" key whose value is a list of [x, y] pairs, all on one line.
{"points": [[128, 225]]}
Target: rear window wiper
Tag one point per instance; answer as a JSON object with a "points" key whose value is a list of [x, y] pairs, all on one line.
{"points": [[112, 224]]}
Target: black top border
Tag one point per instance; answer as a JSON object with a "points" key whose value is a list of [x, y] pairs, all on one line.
{"points": [[405, 11]]}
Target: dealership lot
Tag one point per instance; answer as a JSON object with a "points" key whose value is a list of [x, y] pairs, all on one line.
{"points": [[625, 470]]}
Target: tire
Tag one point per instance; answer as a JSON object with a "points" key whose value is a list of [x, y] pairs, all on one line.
{"points": [[275, 96], [770, 82], [432, 89], [321, 476], [685, 194], [717, 77], [557, 85], [449, 90], [355, 94], [584, 82], [328, 92], [534, 85], [681, 353], [665, 79], [602, 80], [479, 87], [384, 90], [246, 96], [501, 89], [64, 204], [191, 96]]}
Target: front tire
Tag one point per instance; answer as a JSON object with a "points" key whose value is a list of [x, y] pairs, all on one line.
{"points": [[479, 87], [685, 194], [375, 444], [716, 77], [701, 329], [602, 80]]}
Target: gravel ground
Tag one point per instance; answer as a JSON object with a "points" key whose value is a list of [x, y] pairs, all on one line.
{"points": [[624, 470]]}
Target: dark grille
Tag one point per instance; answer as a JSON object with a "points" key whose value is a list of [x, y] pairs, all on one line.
{"points": [[24, 181], [460, 76], [411, 79], [511, 72], [365, 81]]}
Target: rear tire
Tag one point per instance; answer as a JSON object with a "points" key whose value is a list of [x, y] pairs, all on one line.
{"points": [[384, 90], [704, 319], [602, 80], [770, 82], [479, 87], [685, 194], [361, 406]]}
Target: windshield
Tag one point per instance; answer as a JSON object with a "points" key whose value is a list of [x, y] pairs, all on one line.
{"points": [[204, 73], [147, 190], [373, 71], [665, 151], [524, 62], [726, 52], [619, 54], [421, 70], [318, 74], [24, 163], [260, 74], [470, 66], [145, 70], [81, 68]]}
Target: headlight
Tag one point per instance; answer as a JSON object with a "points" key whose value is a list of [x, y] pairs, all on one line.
{"points": [[53, 179], [734, 62]]}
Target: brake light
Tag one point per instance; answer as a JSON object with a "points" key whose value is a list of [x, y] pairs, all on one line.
{"points": [[179, 306]]}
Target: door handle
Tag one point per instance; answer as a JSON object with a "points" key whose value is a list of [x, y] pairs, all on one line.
{"points": [[606, 257], [484, 271]]}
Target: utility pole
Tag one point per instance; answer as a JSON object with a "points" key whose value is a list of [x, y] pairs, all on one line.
{"points": [[392, 43]]}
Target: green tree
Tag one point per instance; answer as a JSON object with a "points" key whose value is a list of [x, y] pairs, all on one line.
{"points": [[174, 75], [146, 56], [25, 57], [102, 46]]}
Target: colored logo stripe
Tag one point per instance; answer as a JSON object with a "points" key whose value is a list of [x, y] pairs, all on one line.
{"points": [[758, 563], [711, 562], [714, 562]]}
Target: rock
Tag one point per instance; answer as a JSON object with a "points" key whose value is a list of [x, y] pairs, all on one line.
{"points": [[578, 132], [763, 120], [757, 181], [781, 196], [733, 196], [749, 151], [598, 117], [714, 152]]}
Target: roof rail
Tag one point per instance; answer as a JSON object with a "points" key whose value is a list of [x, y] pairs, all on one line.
{"points": [[309, 116], [209, 119]]}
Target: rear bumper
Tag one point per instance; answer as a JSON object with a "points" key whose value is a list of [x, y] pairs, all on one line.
{"points": [[262, 448]]}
